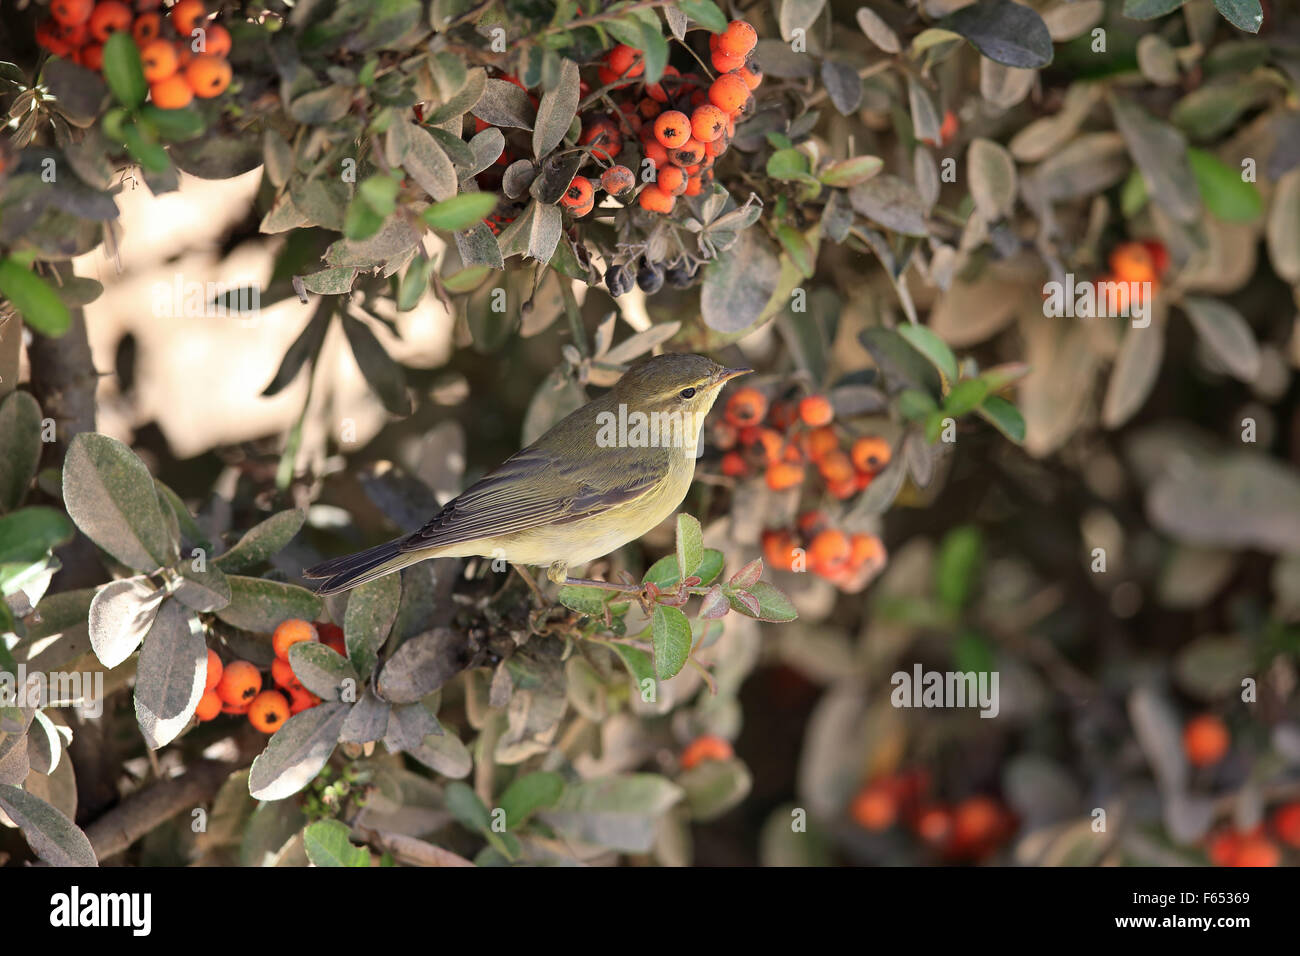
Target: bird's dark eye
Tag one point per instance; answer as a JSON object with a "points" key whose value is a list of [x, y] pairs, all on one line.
{"points": [[688, 393]]}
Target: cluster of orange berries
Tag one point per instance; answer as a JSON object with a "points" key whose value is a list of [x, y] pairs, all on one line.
{"points": [[78, 30], [781, 437], [236, 687], [1137, 261], [683, 126], [848, 561], [969, 830]]}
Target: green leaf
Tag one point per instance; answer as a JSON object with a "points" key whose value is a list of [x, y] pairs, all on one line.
{"points": [[1150, 9], [638, 663], [1224, 331], [773, 605], [464, 804], [965, 397], [297, 752], [259, 605], [787, 164], [915, 405], [959, 559], [690, 546], [110, 495], [122, 70], [850, 172], [1005, 417], [38, 304], [27, 534], [169, 674], [705, 13], [556, 110], [51, 835], [798, 248], [528, 794], [174, 125], [671, 635], [460, 212], [323, 670], [665, 574], [1246, 15], [1005, 32], [20, 437], [1222, 189], [932, 347], [372, 608], [584, 600], [327, 844], [262, 540]]}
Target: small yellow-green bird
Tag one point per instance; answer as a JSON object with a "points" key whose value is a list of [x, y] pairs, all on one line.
{"points": [[601, 477]]}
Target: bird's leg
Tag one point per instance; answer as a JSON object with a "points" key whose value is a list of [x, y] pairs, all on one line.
{"points": [[557, 572], [532, 585]]}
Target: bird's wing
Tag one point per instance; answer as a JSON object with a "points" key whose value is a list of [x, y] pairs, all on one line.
{"points": [[531, 489]]}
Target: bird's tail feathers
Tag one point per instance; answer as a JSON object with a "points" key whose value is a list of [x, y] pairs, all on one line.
{"points": [[351, 570]]}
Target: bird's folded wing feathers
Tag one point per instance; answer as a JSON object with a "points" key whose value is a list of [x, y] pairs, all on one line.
{"points": [[502, 503]]}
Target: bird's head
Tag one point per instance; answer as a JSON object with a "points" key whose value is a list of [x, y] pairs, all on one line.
{"points": [[677, 382]]}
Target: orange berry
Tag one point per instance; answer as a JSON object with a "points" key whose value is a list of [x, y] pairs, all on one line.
{"points": [[289, 633], [820, 441], [752, 76], [828, 550], [874, 808], [729, 93], [783, 475], [47, 38], [73, 34], [92, 56], [1286, 824], [69, 12], [283, 676], [746, 406], [733, 464], [816, 410], [186, 15], [654, 199], [147, 27], [810, 522], [933, 824], [331, 635], [870, 454], [864, 549], [579, 192], [209, 706], [772, 443], [109, 16], [725, 64], [1159, 255], [624, 60], [671, 180], [836, 468], [656, 154], [216, 40], [947, 129], [672, 128], [214, 670], [238, 710], [604, 133], [738, 39], [1132, 262], [1205, 740], [582, 210], [705, 747], [617, 180], [688, 154], [268, 711], [842, 489], [694, 186], [158, 57], [173, 93], [1256, 851], [708, 123], [976, 822], [1222, 847], [239, 684], [778, 549], [208, 75], [300, 700]]}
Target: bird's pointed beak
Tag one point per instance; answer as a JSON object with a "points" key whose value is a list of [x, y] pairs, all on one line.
{"points": [[727, 374]]}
